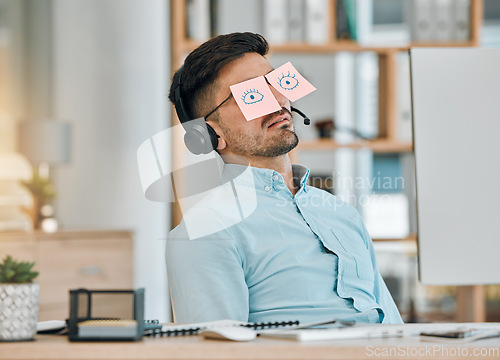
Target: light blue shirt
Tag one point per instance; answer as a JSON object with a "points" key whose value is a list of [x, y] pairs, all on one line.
{"points": [[251, 251]]}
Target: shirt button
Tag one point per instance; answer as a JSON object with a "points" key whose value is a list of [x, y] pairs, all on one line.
{"points": [[275, 177], [267, 188]]}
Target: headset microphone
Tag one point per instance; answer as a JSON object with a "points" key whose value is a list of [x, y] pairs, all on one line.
{"points": [[307, 121]]}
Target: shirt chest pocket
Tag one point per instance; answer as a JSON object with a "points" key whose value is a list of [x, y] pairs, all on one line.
{"points": [[355, 250]]}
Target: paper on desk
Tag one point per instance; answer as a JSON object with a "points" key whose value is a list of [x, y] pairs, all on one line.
{"points": [[319, 334], [367, 331], [473, 335]]}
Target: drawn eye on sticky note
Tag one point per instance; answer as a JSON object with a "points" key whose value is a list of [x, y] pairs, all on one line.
{"points": [[255, 98], [288, 81]]}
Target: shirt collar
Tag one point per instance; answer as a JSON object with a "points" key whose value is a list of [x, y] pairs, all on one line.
{"points": [[300, 173], [251, 176]]}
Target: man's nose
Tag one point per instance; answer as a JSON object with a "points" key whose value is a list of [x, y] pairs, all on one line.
{"points": [[282, 100]]}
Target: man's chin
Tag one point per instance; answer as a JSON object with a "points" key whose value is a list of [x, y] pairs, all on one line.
{"points": [[285, 144], [286, 135]]}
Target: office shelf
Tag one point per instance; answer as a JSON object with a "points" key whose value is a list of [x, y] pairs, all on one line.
{"points": [[387, 141]]}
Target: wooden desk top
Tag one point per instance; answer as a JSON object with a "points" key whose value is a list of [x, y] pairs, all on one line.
{"points": [[57, 347]]}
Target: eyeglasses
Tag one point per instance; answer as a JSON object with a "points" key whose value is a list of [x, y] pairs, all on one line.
{"points": [[218, 106]]}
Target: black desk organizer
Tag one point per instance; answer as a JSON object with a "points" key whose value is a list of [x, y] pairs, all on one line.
{"points": [[106, 315]]}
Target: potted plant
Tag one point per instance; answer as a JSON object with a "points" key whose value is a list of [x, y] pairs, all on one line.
{"points": [[325, 128], [19, 300], [43, 193]]}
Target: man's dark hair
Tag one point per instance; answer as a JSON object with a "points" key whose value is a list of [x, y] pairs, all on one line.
{"points": [[202, 66]]}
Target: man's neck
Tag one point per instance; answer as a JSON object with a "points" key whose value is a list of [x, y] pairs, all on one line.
{"points": [[280, 164]]}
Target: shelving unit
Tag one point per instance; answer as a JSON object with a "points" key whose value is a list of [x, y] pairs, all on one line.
{"points": [[386, 141]]}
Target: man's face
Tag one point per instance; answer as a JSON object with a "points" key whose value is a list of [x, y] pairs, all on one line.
{"points": [[267, 136]]}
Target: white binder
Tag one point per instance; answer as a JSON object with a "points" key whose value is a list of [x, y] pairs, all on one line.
{"points": [[276, 21], [461, 20], [366, 94], [296, 20], [443, 10], [421, 20], [344, 95], [317, 21], [403, 100], [198, 19], [238, 16], [364, 21]]}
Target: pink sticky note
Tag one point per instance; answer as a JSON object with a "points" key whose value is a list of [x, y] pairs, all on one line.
{"points": [[287, 80], [255, 98]]}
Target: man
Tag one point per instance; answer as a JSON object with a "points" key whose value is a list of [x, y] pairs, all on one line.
{"points": [[264, 246]]}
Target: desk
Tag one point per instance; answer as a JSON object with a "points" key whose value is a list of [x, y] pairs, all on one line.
{"points": [[57, 347]]}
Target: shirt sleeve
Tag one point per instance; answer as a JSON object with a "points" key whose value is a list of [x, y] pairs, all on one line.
{"points": [[205, 273], [380, 290]]}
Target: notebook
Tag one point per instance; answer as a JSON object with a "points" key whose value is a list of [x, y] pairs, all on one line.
{"points": [[321, 334], [194, 329], [369, 331], [242, 334]]}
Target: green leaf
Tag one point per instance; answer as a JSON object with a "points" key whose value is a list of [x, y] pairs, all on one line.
{"points": [[40, 187], [12, 271], [23, 268], [10, 274], [33, 275]]}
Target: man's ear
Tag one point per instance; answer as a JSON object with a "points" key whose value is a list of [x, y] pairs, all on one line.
{"points": [[222, 142]]}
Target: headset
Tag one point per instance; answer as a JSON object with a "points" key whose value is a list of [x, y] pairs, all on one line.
{"points": [[200, 137]]}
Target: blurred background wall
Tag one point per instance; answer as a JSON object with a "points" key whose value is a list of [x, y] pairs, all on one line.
{"points": [[102, 66]]}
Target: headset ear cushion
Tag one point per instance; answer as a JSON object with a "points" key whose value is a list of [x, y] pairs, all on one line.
{"points": [[200, 138], [214, 138]]}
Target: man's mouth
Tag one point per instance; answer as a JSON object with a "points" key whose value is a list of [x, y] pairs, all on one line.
{"points": [[279, 120]]}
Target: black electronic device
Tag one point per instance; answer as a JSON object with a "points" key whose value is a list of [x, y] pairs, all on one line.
{"points": [[200, 137], [106, 315]]}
